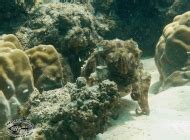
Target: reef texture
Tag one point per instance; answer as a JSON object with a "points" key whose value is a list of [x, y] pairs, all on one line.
{"points": [[46, 65], [68, 27], [76, 111], [172, 55], [76, 30], [119, 61], [111, 18], [22, 70]]}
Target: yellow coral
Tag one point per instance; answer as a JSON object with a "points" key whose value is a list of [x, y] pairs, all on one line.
{"points": [[15, 74], [47, 69], [10, 41], [4, 44]]}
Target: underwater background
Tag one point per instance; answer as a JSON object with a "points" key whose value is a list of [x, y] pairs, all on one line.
{"points": [[95, 69]]}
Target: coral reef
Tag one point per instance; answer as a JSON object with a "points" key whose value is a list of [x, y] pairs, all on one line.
{"points": [[10, 41], [46, 65], [15, 74], [74, 111], [172, 51], [119, 61], [111, 19], [68, 27]]}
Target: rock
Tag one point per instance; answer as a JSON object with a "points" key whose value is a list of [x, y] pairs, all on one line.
{"points": [[77, 112], [81, 82]]}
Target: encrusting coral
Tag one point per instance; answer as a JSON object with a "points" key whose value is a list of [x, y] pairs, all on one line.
{"points": [[46, 65], [172, 52], [119, 61]]}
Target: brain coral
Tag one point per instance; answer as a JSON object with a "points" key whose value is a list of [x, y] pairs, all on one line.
{"points": [[15, 74], [10, 41], [173, 47], [46, 65]]}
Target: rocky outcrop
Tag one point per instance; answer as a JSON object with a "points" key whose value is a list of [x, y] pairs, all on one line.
{"points": [[74, 111], [172, 52]]}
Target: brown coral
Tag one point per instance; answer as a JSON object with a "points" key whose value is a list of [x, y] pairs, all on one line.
{"points": [[46, 65], [15, 74], [173, 47]]}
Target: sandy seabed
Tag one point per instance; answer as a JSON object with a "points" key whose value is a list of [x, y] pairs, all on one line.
{"points": [[169, 118]]}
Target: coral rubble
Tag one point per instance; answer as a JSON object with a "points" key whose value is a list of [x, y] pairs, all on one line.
{"points": [[172, 52]]}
